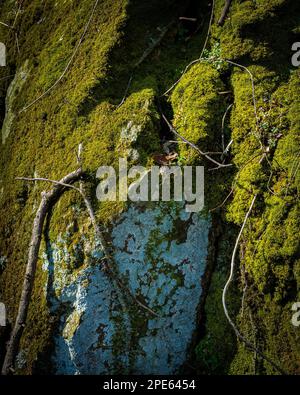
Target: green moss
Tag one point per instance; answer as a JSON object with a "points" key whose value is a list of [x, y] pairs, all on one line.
{"points": [[83, 109], [269, 246], [259, 32], [198, 108]]}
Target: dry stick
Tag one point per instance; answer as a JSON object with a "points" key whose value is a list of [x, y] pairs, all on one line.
{"points": [[172, 129], [47, 198], [184, 18], [17, 14], [237, 332], [223, 126], [99, 237], [68, 64], [234, 182], [107, 256], [257, 123], [228, 146], [205, 153], [126, 91], [200, 57], [224, 13]]}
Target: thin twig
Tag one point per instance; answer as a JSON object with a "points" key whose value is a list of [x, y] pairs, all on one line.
{"points": [[184, 18], [28, 283], [234, 182], [7, 77], [126, 91], [205, 153], [172, 129], [228, 146], [6, 25], [223, 126], [98, 232], [252, 83], [48, 180], [17, 14]]}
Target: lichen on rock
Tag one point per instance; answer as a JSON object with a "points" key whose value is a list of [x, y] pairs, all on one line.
{"points": [[79, 321], [99, 334]]}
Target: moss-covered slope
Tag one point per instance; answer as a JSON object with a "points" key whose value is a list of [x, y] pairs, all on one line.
{"points": [[145, 43]]}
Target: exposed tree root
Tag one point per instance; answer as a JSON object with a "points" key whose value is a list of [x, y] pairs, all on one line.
{"points": [[48, 198], [173, 130]]}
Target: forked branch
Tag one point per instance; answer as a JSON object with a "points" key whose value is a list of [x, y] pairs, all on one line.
{"points": [[48, 198], [173, 130]]}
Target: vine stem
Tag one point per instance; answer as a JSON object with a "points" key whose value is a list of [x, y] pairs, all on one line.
{"points": [[225, 290]]}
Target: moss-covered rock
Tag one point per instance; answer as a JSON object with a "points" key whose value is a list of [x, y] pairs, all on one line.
{"points": [[40, 137], [265, 149]]}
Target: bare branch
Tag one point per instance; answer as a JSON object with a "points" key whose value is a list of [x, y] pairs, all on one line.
{"points": [[184, 18], [7, 77], [252, 83], [47, 199], [172, 129], [235, 181], [17, 14], [48, 180], [126, 91], [5, 24]]}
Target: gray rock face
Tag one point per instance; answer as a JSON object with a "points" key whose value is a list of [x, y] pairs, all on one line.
{"points": [[160, 252]]}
